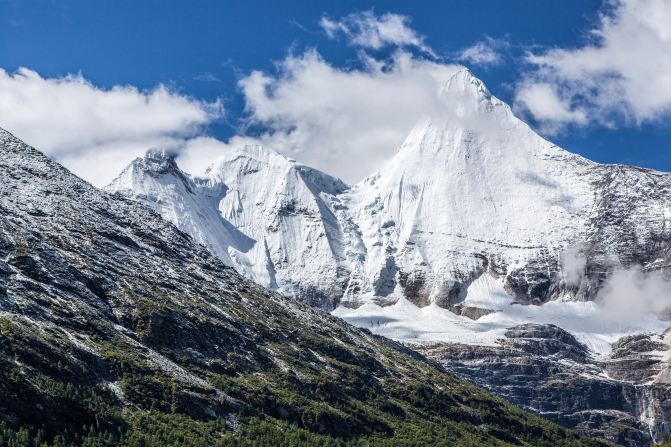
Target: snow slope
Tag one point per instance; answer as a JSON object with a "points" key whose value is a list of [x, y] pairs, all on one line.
{"points": [[472, 190], [276, 221], [470, 187]]}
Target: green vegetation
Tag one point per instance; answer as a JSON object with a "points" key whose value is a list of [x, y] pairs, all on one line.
{"points": [[161, 430], [323, 395]]}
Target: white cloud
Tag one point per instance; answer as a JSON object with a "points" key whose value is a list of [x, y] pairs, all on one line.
{"points": [[573, 264], [485, 53], [197, 154], [344, 122], [547, 107], [95, 132], [623, 75], [206, 77], [367, 30], [629, 293]]}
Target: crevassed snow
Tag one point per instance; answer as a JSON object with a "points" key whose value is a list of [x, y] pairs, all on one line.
{"points": [[589, 322]]}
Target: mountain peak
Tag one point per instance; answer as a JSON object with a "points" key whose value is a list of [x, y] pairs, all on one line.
{"points": [[5, 133], [159, 161], [254, 158], [251, 152], [257, 210], [155, 163], [464, 81], [466, 100]]}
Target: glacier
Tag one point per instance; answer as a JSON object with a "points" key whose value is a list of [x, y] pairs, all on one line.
{"points": [[588, 321]]}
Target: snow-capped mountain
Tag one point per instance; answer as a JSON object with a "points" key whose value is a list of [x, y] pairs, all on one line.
{"points": [[475, 190], [472, 190], [276, 221]]}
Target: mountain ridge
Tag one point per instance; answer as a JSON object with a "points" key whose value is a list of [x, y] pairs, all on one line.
{"points": [[280, 209], [116, 328], [490, 194]]}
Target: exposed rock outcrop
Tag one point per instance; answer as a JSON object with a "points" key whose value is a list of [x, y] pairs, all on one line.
{"points": [[624, 397]]}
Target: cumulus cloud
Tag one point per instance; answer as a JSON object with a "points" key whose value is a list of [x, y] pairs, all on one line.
{"points": [[621, 75], [485, 53], [95, 132], [367, 30], [344, 122], [197, 154], [552, 111]]}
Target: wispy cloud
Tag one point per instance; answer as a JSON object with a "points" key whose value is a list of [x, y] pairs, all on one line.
{"points": [[206, 77], [620, 76], [487, 52], [367, 30], [551, 109], [628, 293]]}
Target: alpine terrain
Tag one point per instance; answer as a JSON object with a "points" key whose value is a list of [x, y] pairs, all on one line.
{"points": [[116, 328], [471, 191], [475, 227]]}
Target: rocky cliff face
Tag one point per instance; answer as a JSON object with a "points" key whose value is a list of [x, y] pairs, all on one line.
{"points": [[624, 397], [116, 328]]}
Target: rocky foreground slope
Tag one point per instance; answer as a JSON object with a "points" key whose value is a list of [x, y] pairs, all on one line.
{"points": [[117, 329]]}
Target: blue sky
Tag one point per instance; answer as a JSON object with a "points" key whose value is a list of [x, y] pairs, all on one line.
{"points": [[201, 50]]}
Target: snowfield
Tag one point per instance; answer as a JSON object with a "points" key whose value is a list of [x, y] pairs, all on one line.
{"points": [[589, 322]]}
